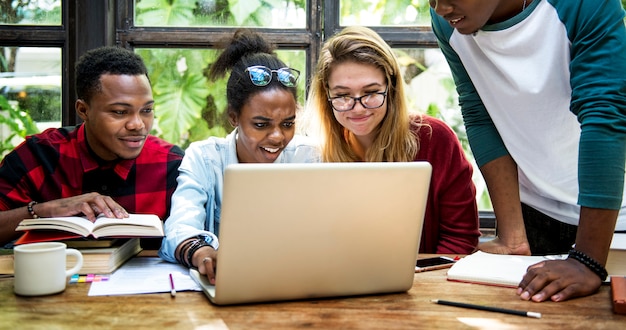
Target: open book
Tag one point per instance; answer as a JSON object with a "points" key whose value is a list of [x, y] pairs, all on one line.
{"points": [[54, 229], [494, 269]]}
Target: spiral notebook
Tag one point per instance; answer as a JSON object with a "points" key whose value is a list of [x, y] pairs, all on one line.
{"points": [[298, 231]]}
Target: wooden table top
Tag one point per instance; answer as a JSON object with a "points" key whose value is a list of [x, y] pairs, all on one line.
{"points": [[413, 309]]}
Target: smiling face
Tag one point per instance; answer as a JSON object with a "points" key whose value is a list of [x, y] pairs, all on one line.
{"points": [[119, 116], [265, 124], [468, 16], [355, 80]]}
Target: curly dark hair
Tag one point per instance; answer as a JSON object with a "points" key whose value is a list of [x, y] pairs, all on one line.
{"points": [[246, 48], [105, 60]]}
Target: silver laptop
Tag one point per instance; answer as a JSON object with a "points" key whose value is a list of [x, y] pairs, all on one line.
{"points": [[302, 231]]}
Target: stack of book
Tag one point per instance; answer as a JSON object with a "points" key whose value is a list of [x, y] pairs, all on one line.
{"points": [[104, 256], [105, 244]]}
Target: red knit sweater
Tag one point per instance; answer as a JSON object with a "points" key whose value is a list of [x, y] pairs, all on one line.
{"points": [[451, 223]]}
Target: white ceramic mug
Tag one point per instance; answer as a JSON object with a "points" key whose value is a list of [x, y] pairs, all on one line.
{"points": [[40, 268]]}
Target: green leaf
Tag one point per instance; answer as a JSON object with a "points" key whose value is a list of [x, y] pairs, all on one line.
{"points": [[178, 106], [165, 12], [243, 9], [18, 122]]}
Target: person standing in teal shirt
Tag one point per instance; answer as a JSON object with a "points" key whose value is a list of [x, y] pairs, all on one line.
{"points": [[542, 89]]}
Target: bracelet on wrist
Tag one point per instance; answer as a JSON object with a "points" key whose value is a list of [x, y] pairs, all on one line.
{"points": [[182, 252], [187, 249], [589, 262], [30, 209], [197, 244]]}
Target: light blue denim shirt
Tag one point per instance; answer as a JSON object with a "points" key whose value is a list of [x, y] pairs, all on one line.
{"points": [[197, 201]]}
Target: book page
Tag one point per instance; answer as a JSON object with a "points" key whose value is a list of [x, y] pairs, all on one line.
{"points": [[145, 275], [47, 229], [77, 225], [135, 225]]}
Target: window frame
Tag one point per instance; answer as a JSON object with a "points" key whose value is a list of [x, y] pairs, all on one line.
{"points": [[130, 36], [76, 16], [397, 37], [111, 22]]}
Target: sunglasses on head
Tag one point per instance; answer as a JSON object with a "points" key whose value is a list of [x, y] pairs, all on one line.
{"points": [[261, 75]]}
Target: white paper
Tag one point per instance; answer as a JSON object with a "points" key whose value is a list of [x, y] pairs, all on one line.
{"points": [[145, 275]]}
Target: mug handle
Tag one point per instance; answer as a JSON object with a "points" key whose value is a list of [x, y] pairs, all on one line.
{"points": [[79, 261]]}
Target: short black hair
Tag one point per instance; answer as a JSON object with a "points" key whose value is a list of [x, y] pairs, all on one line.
{"points": [[105, 60]]}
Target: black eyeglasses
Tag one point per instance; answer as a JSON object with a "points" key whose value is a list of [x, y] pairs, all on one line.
{"points": [[261, 75], [368, 101]]}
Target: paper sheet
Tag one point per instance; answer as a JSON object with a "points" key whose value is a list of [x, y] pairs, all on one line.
{"points": [[145, 275]]}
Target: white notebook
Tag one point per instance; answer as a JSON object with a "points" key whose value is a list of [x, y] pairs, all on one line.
{"points": [[494, 269]]}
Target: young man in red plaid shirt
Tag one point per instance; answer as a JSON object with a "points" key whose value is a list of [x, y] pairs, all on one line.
{"points": [[109, 164]]}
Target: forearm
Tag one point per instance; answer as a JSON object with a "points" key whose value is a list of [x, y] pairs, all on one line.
{"points": [[203, 258], [187, 219], [191, 254], [595, 231], [10, 220], [177, 233], [502, 182]]}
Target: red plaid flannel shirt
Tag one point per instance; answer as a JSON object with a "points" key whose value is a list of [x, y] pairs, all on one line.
{"points": [[57, 163]]}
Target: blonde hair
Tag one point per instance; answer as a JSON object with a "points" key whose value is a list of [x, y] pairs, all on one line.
{"points": [[394, 142]]}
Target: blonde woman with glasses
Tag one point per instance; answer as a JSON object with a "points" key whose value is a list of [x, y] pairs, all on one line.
{"points": [[261, 95], [358, 103]]}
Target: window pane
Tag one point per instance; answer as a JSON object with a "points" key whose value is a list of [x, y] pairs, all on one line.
{"points": [[385, 12], [227, 13], [30, 12], [431, 90], [188, 107], [30, 92]]}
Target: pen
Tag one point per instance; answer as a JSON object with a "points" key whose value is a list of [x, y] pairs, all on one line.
{"points": [[487, 308], [173, 289]]}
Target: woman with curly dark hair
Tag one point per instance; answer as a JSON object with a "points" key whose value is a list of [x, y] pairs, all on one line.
{"points": [[262, 102]]}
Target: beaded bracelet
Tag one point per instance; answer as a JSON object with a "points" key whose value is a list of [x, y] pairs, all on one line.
{"points": [[30, 209], [181, 253], [589, 262], [197, 244]]}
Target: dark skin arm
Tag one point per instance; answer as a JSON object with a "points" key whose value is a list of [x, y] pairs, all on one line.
{"points": [[91, 205], [204, 259], [502, 183], [559, 280]]}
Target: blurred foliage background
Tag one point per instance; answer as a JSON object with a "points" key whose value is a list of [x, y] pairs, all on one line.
{"points": [[188, 106]]}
